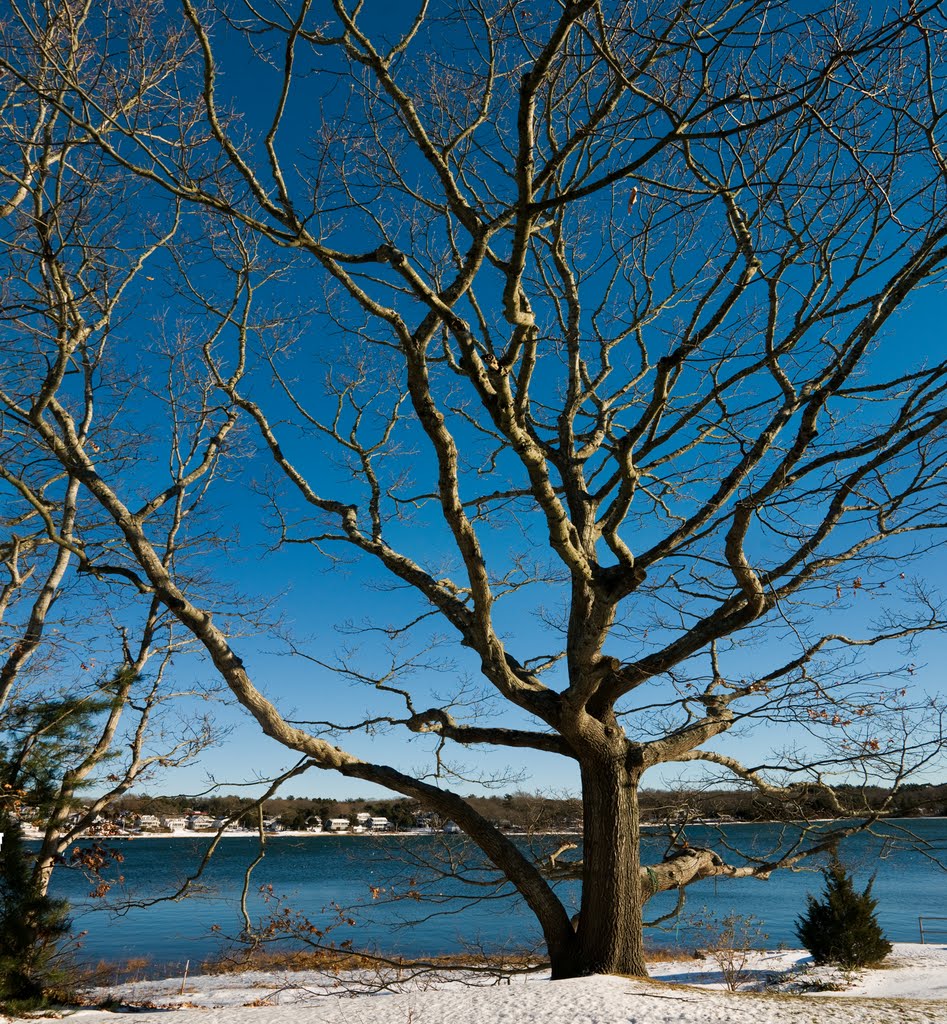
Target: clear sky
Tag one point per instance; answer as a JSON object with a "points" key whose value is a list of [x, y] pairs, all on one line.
{"points": [[328, 612], [322, 606]]}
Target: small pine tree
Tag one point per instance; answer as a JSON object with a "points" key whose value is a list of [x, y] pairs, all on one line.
{"points": [[842, 928], [38, 740], [32, 926]]}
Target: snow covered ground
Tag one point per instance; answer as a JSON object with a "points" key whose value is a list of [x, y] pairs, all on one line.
{"points": [[911, 987]]}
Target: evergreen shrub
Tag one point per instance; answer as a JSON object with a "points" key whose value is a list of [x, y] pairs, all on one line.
{"points": [[842, 928]]}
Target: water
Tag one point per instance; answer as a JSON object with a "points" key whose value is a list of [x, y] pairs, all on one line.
{"points": [[321, 877]]}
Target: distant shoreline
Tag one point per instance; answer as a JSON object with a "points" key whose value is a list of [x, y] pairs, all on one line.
{"points": [[288, 833], [35, 834]]}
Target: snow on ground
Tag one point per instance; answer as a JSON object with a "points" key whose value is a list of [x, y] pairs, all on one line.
{"points": [[911, 988], [912, 971]]}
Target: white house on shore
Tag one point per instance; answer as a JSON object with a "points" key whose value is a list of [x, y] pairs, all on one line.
{"points": [[338, 825], [226, 824], [371, 823]]}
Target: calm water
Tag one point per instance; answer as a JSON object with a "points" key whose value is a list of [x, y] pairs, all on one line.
{"points": [[317, 875]]}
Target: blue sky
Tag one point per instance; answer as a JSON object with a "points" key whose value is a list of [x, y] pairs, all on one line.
{"points": [[318, 599], [325, 603]]}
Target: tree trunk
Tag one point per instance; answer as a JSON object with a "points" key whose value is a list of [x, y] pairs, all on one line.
{"points": [[43, 871], [609, 936]]}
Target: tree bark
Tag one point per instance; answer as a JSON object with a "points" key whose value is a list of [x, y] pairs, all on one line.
{"points": [[609, 930]]}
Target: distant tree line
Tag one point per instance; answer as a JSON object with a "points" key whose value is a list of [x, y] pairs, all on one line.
{"points": [[535, 812]]}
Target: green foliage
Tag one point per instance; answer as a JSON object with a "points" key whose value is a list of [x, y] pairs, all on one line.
{"points": [[842, 928], [40, 740], [32, 927]]}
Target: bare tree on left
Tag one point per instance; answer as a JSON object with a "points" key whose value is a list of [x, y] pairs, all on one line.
{"points": [[89, 699]]}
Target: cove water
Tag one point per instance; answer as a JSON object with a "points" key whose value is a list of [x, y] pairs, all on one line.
{"points": [[346, 884]]}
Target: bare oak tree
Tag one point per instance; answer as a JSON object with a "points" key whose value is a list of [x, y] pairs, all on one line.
{"points": [[87, 693], [609, 294]]}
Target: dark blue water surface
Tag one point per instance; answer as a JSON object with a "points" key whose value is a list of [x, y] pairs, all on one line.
{"points": [[319, 876]]}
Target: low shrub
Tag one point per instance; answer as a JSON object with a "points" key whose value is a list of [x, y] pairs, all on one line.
{"points": [[730, 942]]}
